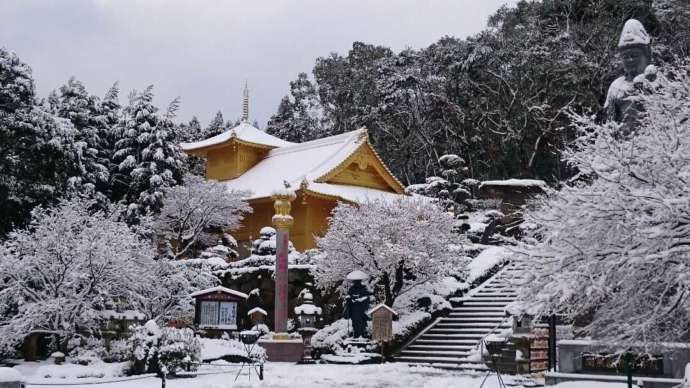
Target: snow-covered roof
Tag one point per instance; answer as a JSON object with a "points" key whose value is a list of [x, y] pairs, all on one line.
{"points": [[355, 194], [303, 164], [381, 306], [257, 310], [516, 183], [219, 289], [244, 132]]}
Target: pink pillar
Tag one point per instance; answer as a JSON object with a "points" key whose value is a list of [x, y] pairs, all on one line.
{"points": [[281, 292], [282, 220]]}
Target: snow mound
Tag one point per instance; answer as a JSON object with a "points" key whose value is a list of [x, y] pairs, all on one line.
{"points": [[485, 261], [8, 375]]}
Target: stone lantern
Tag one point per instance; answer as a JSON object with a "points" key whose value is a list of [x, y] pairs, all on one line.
{"points": [[307, 314]]}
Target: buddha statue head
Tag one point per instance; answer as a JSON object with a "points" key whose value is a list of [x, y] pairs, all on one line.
{"points": [[634, 48]]}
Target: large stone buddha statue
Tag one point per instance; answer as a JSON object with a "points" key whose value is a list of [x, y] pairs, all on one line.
{"points": [[635, 52]]}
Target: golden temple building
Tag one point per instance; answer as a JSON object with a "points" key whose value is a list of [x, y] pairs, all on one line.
{"points": [[322, 172]]}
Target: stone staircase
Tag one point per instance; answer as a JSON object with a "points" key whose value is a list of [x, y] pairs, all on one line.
{"points": [[448, 341]]}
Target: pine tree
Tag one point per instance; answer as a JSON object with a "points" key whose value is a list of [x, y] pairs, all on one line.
{"points": [[73, 103], [216, 126], [147, 155], [109, 116], [35, 146], [299, 117]]}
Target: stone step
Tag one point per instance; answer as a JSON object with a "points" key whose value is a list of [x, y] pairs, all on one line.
{"points": [[440, 348], [476, 318], [434, 361], [433, 353], [477, 309], [464, 330], [470, 314], [461, 341]]}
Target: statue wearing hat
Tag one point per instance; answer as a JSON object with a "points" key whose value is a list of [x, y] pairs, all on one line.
{"points": [[357, 303], [636, 54]]}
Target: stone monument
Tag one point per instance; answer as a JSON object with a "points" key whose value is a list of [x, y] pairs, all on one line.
{"points": [[635, 51]]}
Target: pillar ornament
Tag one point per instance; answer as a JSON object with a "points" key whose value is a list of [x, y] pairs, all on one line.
{"points": [[282, 205]]}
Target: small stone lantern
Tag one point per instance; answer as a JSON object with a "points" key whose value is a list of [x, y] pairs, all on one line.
{"points": [[307, 314]]}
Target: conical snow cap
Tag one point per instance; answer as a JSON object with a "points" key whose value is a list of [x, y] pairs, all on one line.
{"points": [[633, 34]]}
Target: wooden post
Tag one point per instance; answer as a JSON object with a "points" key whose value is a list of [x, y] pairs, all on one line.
{"points": [[553, 354], [628, 368]]}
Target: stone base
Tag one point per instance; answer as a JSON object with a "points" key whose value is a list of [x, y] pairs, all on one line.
{"points": [[283, 350]]}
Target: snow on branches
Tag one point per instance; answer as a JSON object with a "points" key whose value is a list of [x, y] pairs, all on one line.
{"points": [[614, 251], [189, 210], [56, 276], [400, 244]]}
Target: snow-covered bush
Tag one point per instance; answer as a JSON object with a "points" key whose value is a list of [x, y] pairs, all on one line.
{"points": [[450, 193], [613, 249], [400, 244], [265, 245], [178, 349], [190, 210], [167, 350], [58, 275], [86, 351]]}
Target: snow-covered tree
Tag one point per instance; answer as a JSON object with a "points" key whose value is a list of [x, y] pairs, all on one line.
{"points": [[400, 244], [74, 103], [199, 206], [149, 160], [449, 191], [215, 127], [36, 148], [300, 116], [167, 296], [613, 249], [70, 263]]}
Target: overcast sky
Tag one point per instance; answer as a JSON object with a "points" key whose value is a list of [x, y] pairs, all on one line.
{"points": [[203, 50]]}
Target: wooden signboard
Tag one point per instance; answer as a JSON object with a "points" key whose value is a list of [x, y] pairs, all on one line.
{"points": [[382, 323]]}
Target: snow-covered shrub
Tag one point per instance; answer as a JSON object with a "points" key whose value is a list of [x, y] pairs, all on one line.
{"points": [[155, 350], [400, 244], [178, 349], [144, 345], [85, 351], [118, 351], [265, 245], [613, 249], [449, 192], [331, 337]]}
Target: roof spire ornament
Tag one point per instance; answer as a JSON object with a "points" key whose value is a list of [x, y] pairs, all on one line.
{"points": [[245, 104]]}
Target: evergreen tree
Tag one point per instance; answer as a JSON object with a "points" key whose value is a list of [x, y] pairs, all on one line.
{"points": [[216, 126], [35, 146], [148, 157], [299, 117], [73, 103], [109, 117]]}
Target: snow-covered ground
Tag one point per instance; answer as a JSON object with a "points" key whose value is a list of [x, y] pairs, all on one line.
{"points": [[279, 375]]}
